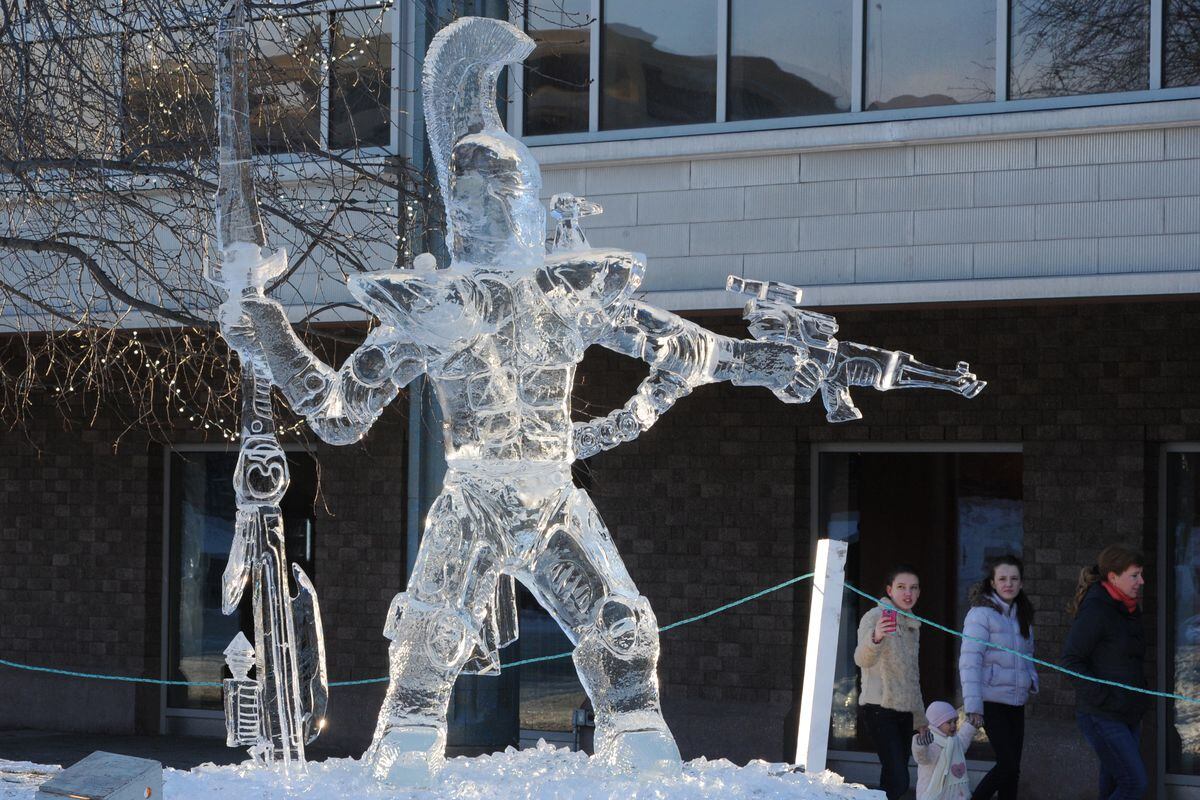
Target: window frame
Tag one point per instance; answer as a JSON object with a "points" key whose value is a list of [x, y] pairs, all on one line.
{"points": [[856, 760], [173, 719], [1173, 784], [1002, 104]]}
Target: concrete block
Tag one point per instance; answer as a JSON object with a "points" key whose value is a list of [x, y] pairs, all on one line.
{"points": [[693, 205], [1182, 142], [690, 272], [557, 181], [105, 776], [973, 225], [1181, 215], [878, 162], [1150, 253], [975, 156], [921, 263], [856, 230], [1100, 148], [749, 236], [1030, 186], [1149, 179], [1027, 259], [799, 199], [910, 193], [620, 210], [804, 268], [1111, 217], [652, 240], [751, 171], [624, 178]]}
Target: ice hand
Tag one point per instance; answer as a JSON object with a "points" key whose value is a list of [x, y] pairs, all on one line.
{"points": [[237, 326], [805, 382], [243, 268]]}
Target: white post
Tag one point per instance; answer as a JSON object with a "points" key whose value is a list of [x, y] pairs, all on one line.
{"points": [[820, 657]]}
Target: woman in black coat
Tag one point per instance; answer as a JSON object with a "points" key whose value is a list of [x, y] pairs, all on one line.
{"points": [[1106, 641]]}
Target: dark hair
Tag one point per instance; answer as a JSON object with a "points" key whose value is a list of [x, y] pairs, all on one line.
{"points": [[984, 588], [1114, 558], [900, 569]]}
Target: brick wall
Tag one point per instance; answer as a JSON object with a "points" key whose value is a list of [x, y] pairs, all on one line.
{"points": [[81, 533], [713, 503], [708, 506]]}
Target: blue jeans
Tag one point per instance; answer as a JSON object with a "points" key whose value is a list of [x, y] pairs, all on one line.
{"points": [[1122, 773]]}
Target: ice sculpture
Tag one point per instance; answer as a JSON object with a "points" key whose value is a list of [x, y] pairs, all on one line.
{"points": [[285, 709], [500, 331]]}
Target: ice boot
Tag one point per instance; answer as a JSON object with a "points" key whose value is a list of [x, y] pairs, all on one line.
{"points": [[409, 756]]}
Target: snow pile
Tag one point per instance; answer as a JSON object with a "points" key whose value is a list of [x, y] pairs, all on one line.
{"points": [[541, 773]]}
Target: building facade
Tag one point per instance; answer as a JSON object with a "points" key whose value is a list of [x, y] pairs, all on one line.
{"points": [[1003, 183]]}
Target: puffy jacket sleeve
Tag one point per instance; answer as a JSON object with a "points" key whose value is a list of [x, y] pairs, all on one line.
{"points": [[1085, 634], [1033, 674], [970, 659], [867, 652], [923, 753]]}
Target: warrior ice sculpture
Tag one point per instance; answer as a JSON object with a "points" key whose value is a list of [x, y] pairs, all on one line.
{"points": [[500, 332]]}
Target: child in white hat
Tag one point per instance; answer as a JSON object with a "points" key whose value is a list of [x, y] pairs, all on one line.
{"points": [[940, 752]]}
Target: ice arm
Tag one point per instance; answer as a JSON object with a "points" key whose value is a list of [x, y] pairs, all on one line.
{"points": [[340, 405], [683, 355]]}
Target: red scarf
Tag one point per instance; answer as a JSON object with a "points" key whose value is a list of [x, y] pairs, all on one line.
{"points": [[1130, 603]]}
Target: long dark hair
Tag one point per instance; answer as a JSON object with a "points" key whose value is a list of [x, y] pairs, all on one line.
{"points": [[985, 589], [1114, 558]]}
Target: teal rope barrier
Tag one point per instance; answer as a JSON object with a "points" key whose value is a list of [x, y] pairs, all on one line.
{"points": [[555, 656], [663, 629], [73, 674], [1038, 661]]}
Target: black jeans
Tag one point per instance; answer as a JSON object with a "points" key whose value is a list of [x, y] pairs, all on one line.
{"points": [[1005, 726], [892, 731]]}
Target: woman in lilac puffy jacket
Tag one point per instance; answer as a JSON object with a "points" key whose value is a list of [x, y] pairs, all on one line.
{"points": [[997, 683]]}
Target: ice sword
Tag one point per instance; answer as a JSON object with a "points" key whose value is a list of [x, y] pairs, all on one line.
{"points": [[292, 689]]}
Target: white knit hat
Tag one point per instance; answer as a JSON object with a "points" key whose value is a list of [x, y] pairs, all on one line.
{"points": [[940, 712]]}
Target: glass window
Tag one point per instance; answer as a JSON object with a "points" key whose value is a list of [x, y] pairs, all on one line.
{"points": [[929, 53], [658, 63], [1182, 599], [556, 74], [788, 59], [360, 79], [1058, 48], [202, 508], [285, 84], [550, 690], [1181, 43], [944, 513]]}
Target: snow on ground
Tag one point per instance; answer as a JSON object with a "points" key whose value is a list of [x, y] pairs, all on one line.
{"points": [[541, 773]]}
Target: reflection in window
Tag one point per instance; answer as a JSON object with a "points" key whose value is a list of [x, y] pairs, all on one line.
{"points": [[550, 690], [1181, 43], [930, 53], [202, 507], [1182, 532], [168, 98], [556, 73], [944, 513], [1067, 47], [360, 79], [788, 59], [285, 84], [658, 64]]}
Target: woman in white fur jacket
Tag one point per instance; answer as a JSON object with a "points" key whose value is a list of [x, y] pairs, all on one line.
{"points": [[996, 683]]}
